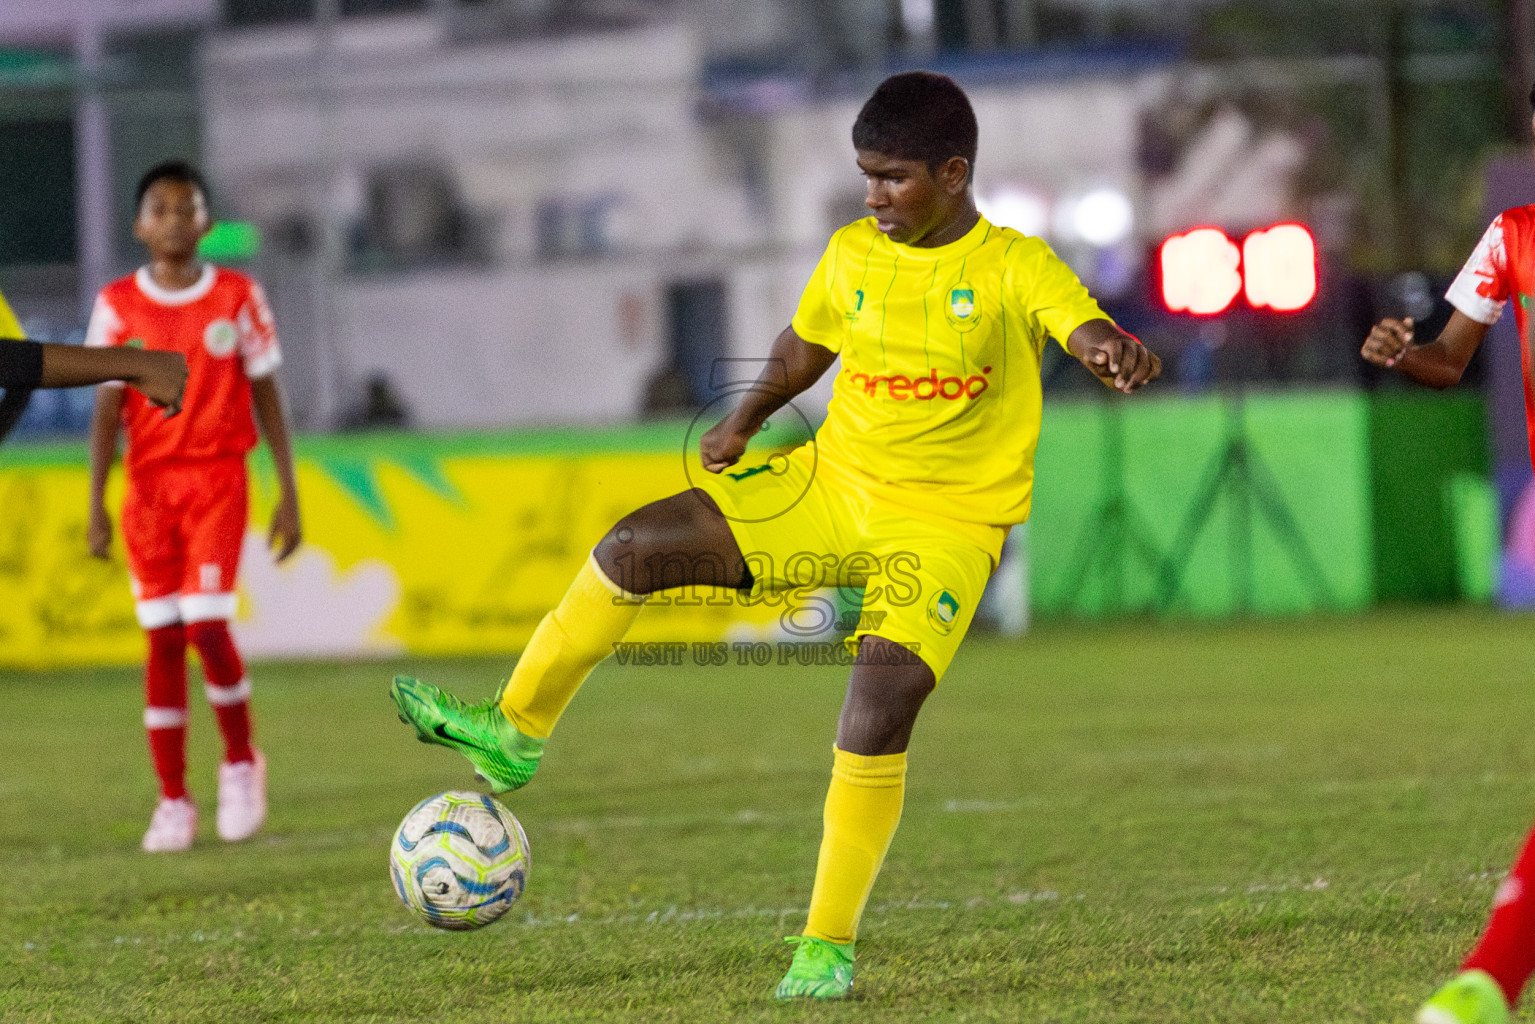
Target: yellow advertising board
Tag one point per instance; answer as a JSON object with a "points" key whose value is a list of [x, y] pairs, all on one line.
{"points": [[433, 546]]}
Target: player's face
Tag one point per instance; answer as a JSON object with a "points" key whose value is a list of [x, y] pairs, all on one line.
{"points": [[172, 218], [909, 201]]}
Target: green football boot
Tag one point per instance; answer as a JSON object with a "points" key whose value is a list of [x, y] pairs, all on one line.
{"points": [[821, 970], [501, 755], [1471, 997]]}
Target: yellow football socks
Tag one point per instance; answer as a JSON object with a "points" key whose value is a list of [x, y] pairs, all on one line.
{"points": [[593, 615], [863, 807]]}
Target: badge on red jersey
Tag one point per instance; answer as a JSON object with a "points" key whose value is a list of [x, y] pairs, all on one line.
{"points": [[220, 338]]}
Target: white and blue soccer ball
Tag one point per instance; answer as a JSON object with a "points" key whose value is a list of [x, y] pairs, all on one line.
{"points": [[459, 860]]}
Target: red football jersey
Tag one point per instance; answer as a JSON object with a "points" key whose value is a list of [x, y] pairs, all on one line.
{"points": [[1500, 268], [223, 325]]}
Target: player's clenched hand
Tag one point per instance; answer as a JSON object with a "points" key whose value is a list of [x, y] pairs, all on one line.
{"points": [[98, 533], [723, 446], [286, 533], [1388, 341], [163, 380], [1113, 356]]}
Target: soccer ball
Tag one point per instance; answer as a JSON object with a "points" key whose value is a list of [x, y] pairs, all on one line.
{"points": [[459, 860]]}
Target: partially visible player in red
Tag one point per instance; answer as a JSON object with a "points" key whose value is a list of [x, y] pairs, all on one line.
{"points": [[184, 516], [1501, 270]]}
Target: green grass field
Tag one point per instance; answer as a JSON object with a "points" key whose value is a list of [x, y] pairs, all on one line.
{"points": [[1298, 821]]}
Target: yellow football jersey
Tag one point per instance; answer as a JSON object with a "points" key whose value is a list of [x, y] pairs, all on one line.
{"points": [[10, 327], [937, 405]]}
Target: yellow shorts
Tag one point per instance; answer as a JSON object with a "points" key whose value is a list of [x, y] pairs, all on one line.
{"points": [[802, 531]]}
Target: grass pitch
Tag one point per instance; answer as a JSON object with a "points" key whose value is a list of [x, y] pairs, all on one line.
{"points": [[1299, 821]]}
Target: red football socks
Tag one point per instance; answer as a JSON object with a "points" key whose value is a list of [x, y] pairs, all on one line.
{"points": [[1507, 949], [165, 707], [228, 689]]}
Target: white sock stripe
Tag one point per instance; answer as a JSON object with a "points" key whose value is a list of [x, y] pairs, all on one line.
{"points": [[158, 612], [207, 607], [226, 696], [165, 718]]}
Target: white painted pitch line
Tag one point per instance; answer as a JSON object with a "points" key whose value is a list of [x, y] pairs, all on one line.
{"points": [[665, 915], [674, 915], [671, 915]]}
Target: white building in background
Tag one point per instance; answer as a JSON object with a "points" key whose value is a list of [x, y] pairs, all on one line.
{"points": [[515, 226], [522, 232], [80, 30]]}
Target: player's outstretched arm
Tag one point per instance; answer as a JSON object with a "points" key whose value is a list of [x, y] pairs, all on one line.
{"points": [[1113, 356], [272, 416], [1440, 363], [160, 376], [793, 365], [103, 445]]}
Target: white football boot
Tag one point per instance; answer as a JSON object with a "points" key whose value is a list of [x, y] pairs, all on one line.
{"points": [[242, 798], [172, 826]]}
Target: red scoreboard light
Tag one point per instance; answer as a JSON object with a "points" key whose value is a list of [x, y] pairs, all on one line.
{"points": [[1280, 268], [1200, 272], [1203, 271]]}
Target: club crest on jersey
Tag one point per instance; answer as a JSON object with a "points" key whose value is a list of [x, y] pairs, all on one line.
{"points": [[851, 315], [943, 611], [220, 338], [964, 312]]}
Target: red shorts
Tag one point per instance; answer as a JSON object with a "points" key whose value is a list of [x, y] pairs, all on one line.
{"points": [[183, 524]]}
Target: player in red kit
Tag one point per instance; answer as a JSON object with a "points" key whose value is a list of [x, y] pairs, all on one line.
{"points": [[1500, 272], [184, 514]]}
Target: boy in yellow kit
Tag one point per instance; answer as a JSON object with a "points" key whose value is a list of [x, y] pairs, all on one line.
{"points": [[923, 463], [10, 327]]}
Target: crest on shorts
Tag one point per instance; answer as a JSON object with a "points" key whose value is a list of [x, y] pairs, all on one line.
{"points": [[943, 611], [963, 312], [220, 338]]}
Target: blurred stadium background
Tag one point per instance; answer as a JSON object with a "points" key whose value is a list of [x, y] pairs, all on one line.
{"points": [[514, 247], [509, 242]]}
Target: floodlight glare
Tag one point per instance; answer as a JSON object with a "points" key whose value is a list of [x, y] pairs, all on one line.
{"points": [[1199, 272], [1103, 217], [1280, 268], [1015, 208], [917, 18]]}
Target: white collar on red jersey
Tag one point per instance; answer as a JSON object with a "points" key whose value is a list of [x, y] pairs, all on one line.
{"points": [[179, 297]]}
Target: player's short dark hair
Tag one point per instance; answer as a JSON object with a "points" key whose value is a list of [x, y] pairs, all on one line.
{"points": [[1532, 97], [169, 170], [918, 115]]}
